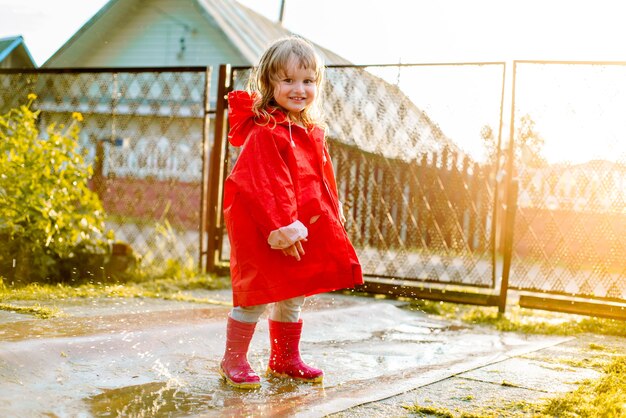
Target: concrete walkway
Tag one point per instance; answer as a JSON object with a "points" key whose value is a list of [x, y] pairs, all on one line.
{"points": [[146, 357], [531, 377]]}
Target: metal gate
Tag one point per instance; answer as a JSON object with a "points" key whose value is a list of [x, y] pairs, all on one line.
{"points": [[569, 237], [438, 206], [432, 219], [422, 213]]}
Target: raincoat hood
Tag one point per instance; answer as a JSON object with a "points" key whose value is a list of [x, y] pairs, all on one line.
{"points": [[242, 118]]}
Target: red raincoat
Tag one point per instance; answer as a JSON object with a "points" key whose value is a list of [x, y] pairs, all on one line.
{"points": [[275, 182]]}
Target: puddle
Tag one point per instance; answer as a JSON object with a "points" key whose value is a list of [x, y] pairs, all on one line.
{"points": [[164, 363], [76, 326], [147, 400]]}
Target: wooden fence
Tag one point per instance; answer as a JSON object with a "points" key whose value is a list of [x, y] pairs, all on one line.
{"points": [[440, 200]]}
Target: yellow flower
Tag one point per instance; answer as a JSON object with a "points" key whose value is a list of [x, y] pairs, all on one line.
{"points": [[32, 96], [77, 116]]}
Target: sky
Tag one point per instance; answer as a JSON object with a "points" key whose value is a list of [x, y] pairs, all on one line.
{"points": [[395, 31], [389, 31]]}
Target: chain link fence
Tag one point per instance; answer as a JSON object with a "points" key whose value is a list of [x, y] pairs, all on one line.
{"points": [[418, 157], [143, 131], [570, 229], [410, 147]]}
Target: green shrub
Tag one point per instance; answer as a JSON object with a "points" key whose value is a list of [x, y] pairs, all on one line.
{"points": [[51, 223]]}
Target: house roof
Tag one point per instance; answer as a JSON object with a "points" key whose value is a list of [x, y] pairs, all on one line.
{"points": [[12, 45], [251, 32], [248, 31], [363, 110], [389, 123]]}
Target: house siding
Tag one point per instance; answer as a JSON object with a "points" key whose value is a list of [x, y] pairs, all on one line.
{"points": [[14, 54], [148, 34], [17, 59]]}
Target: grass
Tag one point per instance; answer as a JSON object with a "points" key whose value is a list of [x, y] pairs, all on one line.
{"points": [[604, 397], [523, 320], [36, 310], [508, 410]]}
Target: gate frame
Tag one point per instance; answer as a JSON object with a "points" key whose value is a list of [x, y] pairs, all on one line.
{"points": [[215, 227], [214, 217]]}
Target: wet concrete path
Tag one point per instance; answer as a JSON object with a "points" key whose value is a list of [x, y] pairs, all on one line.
{"points": [[142, 357]]}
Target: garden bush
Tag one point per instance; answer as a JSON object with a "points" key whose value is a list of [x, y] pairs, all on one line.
{"points": [[51, 224]]}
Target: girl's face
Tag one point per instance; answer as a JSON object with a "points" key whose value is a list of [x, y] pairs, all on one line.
{"points": [[296, 88]]}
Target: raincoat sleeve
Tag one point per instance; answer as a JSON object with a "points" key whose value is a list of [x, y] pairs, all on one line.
{"points": [[329, 176], [264, 184], [329, 172]]}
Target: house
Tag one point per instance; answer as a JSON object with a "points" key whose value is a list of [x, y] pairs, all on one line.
{"points": [[181, 33], [15, 54]]}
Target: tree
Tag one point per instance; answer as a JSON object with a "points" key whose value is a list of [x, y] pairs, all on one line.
{"points": [[490, 144], [528, 145]]}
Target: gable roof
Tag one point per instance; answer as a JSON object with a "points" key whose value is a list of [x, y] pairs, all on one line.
{"points": [[363, 110], [373, 115], [248, 31], [16, 45], [251, 32]]}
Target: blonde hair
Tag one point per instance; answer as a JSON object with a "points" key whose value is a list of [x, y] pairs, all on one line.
{"points": [[272, 65]]}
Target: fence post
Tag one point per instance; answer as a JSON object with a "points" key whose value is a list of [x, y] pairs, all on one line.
{"points": [[204, 189], [216, 170], [510, 190], [509, 226], [424, 212], [472, 202]]}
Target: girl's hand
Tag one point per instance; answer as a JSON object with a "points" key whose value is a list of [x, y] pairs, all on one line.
{"points": [[295, 250]]}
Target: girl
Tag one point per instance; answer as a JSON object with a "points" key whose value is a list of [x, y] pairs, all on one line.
{"points": [[282, 214]]}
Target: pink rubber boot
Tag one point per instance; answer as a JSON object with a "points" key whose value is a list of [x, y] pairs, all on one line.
{"points": [[234, 367], [285, 360]]}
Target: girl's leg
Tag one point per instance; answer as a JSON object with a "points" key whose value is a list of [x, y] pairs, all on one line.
{"points": [[234, 366], [287, 310], [285, 330], [247, 313]]}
